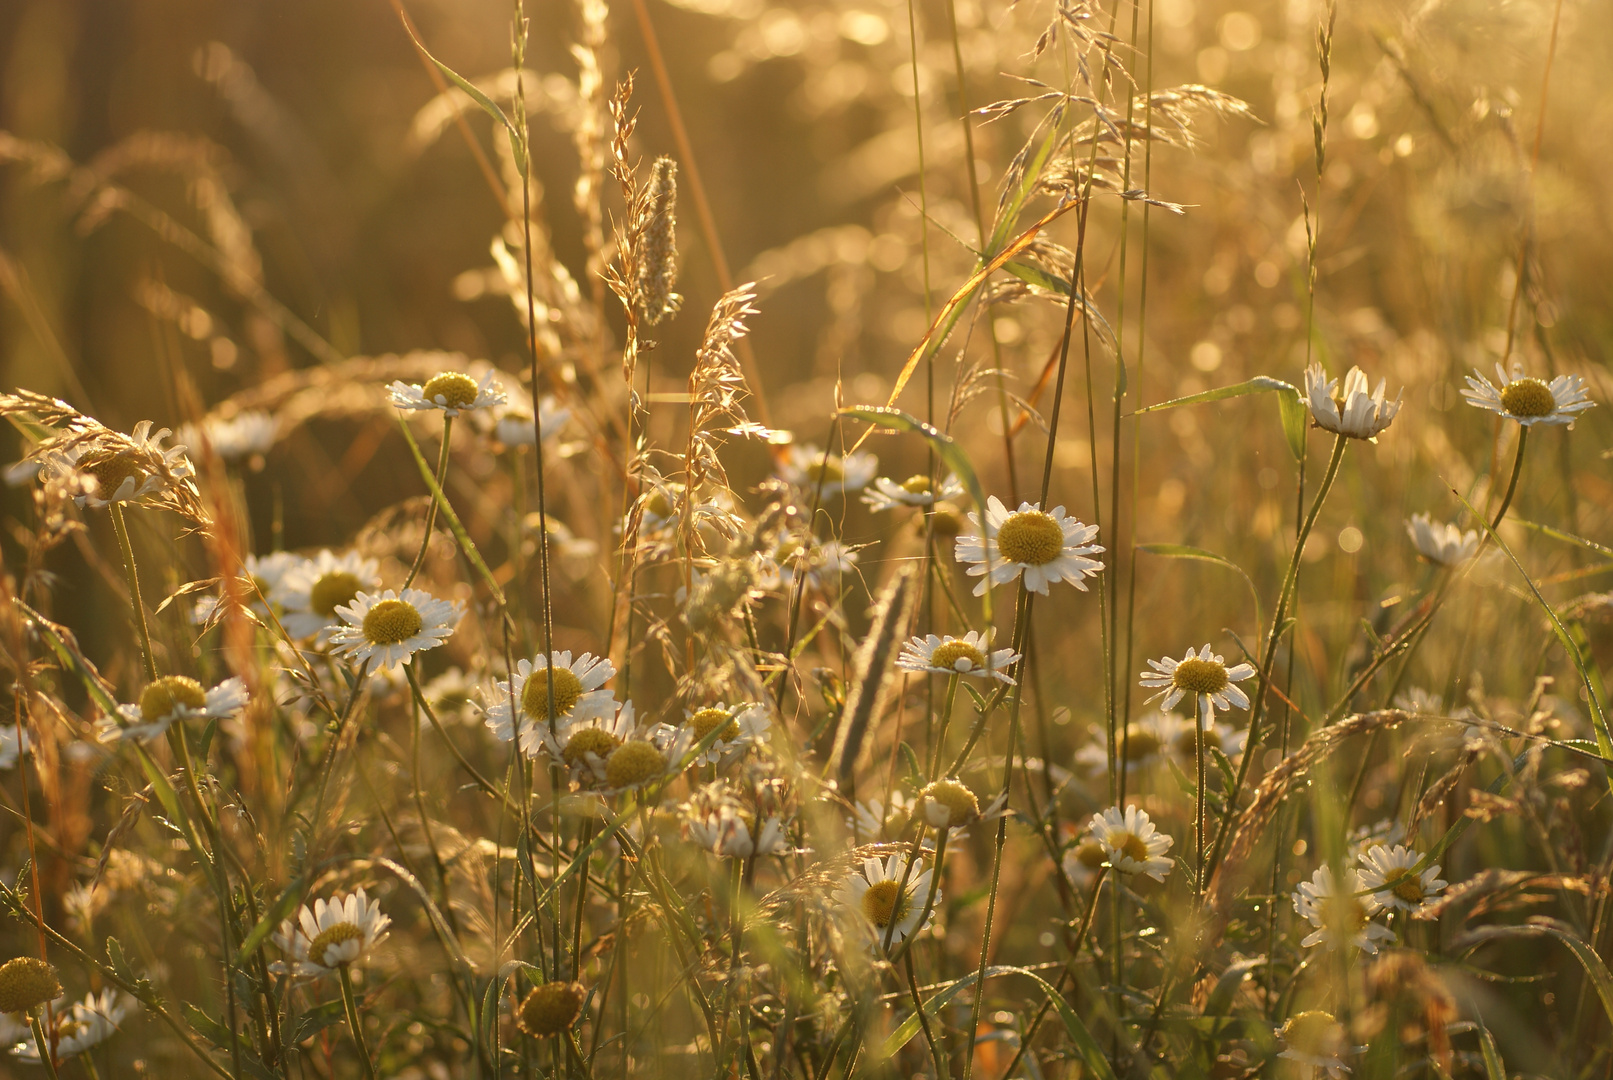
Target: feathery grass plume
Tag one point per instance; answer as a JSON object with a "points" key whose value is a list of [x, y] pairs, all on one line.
{"points": [[658, 255], [874, 665], [717, 391]]}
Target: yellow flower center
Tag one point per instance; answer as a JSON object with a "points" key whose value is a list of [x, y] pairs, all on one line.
{"points": [[1528, 397], [26, 983], [1409, 888], [391, 622], [587, 741], [885, 903], [1133, 847], [1140, 744], [961, 805], [332, 591], [110, 473], [633, 763], [552, 1008], [826, 470], [330, 937], [1030, 537], [535, 694], [947, 655], [1200, 677], [706, 721], [160, 698], [945, 521], [456, 390], [1314, 1032], [659, 502], [916, 485], [1090, 854], [1343, 914]]}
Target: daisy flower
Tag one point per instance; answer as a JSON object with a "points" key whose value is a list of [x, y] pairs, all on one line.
{"points": [[259, 581], [1132, 843], [1315, 1039], [451, 696], [1439, 543], [310, 590], [514, 424], [135, 468], [871, 820], [825, 564], [1528, 401], [169, 700], [241, 437], [1083, 859], [641, 761], [577, 697], [453, 392], [813, 471], [1390, 874], [916, 490], [966, 655], [1202, 675], [876, 894], [1341, 917], [723, 831], [1352, 411], [948, 804], [1045, 547], [332, 934], [1143, 742], [742, 725], [86, 1025], [581, 745], [389, 628]]}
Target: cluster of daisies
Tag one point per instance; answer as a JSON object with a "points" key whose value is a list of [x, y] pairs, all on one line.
{"points": [[32, 1006]]}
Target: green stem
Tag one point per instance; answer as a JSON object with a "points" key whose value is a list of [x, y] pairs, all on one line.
{"points": [[431, 512], [47, 1052], [946, 719], [1201, 717], [127, 548], [937, 1051], [353, 1021]]}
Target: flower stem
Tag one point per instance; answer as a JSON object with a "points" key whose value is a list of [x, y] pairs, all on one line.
{"points": [[353, 1024], [1201, 716], [431, 512], [946, 719], [47, 1053], [937, 1051], [122, 530]]}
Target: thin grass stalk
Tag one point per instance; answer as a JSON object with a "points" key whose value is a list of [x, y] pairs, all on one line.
{"points": [[355, 1022], [122, 531], [431, 511], [936, 1045]]}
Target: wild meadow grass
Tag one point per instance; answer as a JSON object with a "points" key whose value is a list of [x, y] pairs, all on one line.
{"points": [[824, 540]]}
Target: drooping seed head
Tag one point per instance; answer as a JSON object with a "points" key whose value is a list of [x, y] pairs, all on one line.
{"points": [[1528, 397], [552, 1008], [1030, 537], [456, 389], [535, 694], [391, 622], [26, 983], [162, 696]]}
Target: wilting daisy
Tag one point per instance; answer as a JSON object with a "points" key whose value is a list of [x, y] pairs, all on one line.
{"points": [[86, 1025], [916, 490], [332, 934], [1352, 411], [1315, 1039], [813, 471], [876, 894], [241, 437], [169, 700], [724, 831], [577, 696], [310, 591], [1528, 401], [1202, 675], [1133, 844], [1389, 872], [453, 392], [1341, 917], [388, 628], [1044, 546], [123, 472], [584, 744], [966, 655], [742, 726], [1440, 543]]}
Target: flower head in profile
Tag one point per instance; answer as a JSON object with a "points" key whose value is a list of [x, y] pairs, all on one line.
{"points": [[86, 1025], [724, 830], [332, 934], [1044, 546], [879, 901], [453, 392], [169, 700], [514, 424], [1353, 411], [1527, 400], [126, 468], [1396, 883], [1440, 543], [242, 437], [887, 494], [310, 590], [739, 726], [970, 654], [1083, 858], [389, 628], [1201, 675], [814, 471], [1342, 918], [949, 804], [1132, 842], [521, 702], [1315, 1039]]}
